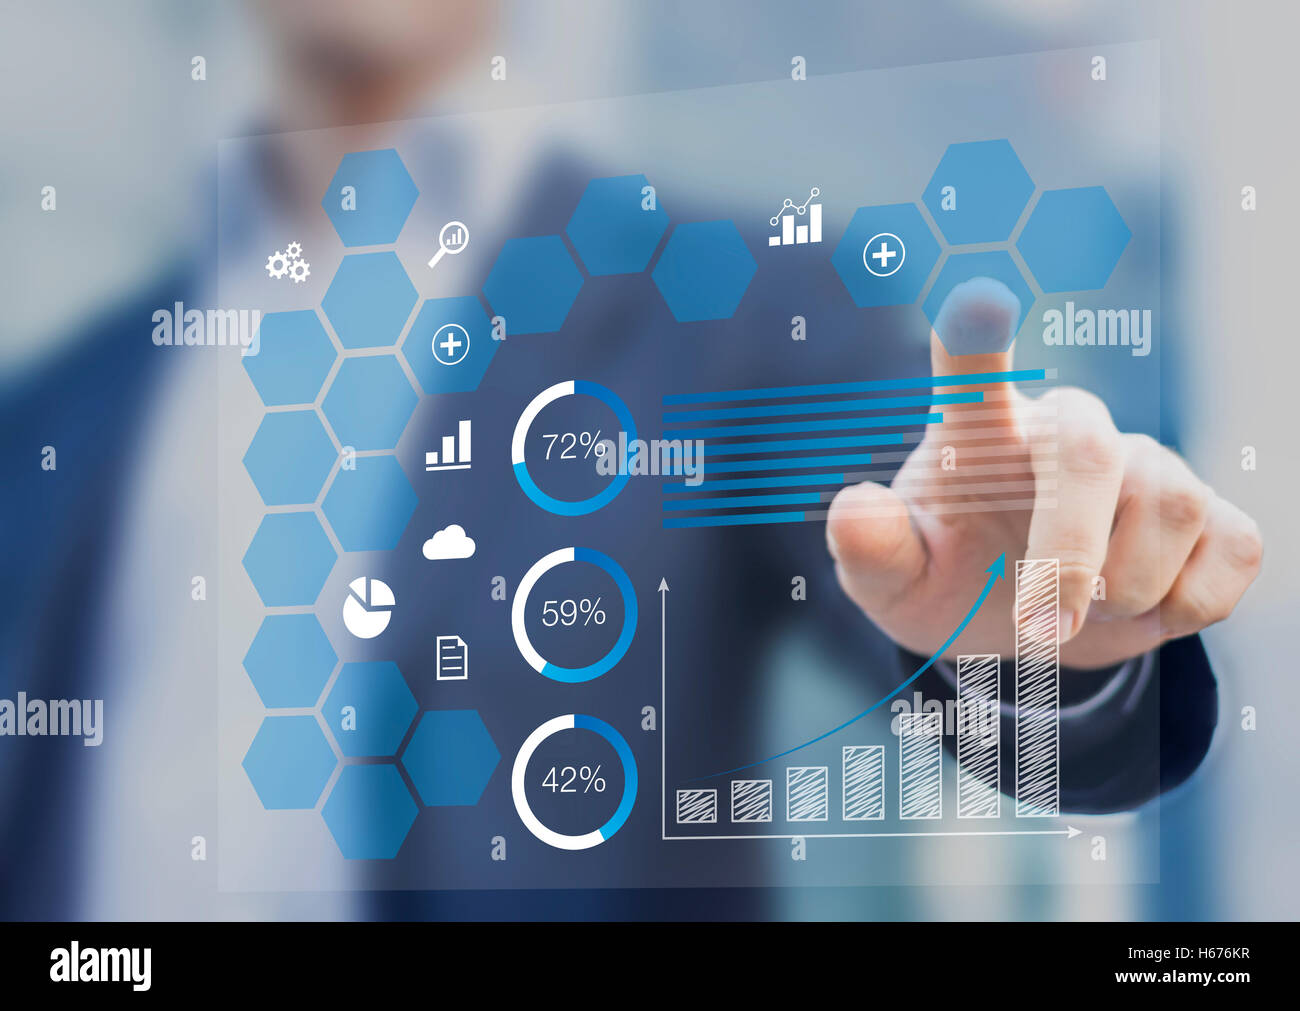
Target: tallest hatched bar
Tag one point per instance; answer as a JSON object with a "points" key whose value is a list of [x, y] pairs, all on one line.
{"points": [[1038, 675]]}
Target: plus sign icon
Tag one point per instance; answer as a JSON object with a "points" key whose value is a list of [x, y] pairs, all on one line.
{"points": [[884, 254], [450, 344]]}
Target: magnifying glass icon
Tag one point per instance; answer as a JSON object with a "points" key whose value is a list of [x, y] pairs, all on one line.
{"points": [[453, 239]]}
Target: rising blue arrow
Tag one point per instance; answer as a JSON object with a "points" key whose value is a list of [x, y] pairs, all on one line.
{"points": [[996, 571]]}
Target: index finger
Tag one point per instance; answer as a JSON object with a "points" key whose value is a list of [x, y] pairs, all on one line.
{"points": [[973, 335]]}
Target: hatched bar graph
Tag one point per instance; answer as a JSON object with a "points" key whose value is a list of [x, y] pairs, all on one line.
{"points": [[920, 764], [1037, 688], [864, 782], [751, 800], [978, 736], [807, 793], [697, 807]]}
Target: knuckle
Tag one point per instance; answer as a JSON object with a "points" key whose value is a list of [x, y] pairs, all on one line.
{"points": [[1198, 608], [1245, 546], [1086, 424], [1091, 449], [1183, 504]]}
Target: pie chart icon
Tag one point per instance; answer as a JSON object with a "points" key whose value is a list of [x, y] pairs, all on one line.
{"points": [[369, 605]]}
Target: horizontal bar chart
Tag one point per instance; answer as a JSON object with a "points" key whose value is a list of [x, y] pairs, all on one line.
{"points": [[741, 432]]}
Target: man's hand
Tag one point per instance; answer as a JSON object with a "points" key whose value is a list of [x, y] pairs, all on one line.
{"points": [[1174, 557]]}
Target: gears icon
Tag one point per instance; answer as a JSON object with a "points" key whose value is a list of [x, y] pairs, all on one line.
{"points": [[289, 262], [277, 265]]}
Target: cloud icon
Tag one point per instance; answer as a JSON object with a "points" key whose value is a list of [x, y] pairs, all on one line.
{"points": [[449, 542]]}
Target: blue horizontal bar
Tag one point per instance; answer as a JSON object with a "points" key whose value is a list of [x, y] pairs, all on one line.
{"points": [[780, 446], [797, 498], [793, 481], [833, 442], [736, 520], [973, 379], [831, 425], [823, 407], [791, 463]]}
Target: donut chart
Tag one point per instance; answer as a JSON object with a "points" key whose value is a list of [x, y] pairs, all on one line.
{"points": [[591, 671], [518, 782], [518, 443]]}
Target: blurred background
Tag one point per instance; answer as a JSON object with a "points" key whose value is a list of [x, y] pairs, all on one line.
{"points": [[98, 102]]}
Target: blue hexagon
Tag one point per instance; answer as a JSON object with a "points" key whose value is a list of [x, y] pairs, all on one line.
{"points": [[382, 195], [290, 457], [293, 358], [959, 337], [369, 300], [370, 402], [610, 229], [369, 812], [289, 661], [370, 506], [978, 191], [704, 271], [1073, 239], [533, 284], [465, 313], [290, 559], [451, 757], [370, 708], [289, 762], [900, 229]]}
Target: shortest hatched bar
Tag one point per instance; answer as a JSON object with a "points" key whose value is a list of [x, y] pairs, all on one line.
{"points": [[697, 807]]}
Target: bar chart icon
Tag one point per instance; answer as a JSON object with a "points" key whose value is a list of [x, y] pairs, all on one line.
{"points": [[793, 234], [455, 451]]}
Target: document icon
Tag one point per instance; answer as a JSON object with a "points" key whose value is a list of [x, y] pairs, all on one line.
{"points": [[453, 658]]}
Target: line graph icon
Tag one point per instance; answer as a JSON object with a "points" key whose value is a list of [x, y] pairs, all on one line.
{"points": [[792, 234]]}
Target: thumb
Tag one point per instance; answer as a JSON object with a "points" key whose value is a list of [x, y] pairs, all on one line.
{"points": [[878, 552], [972, 335]]}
